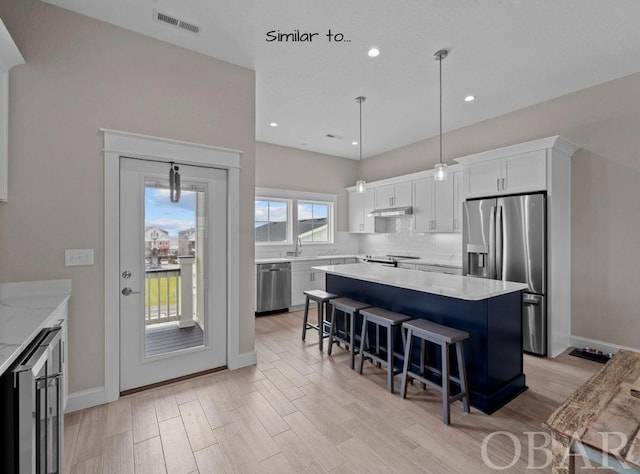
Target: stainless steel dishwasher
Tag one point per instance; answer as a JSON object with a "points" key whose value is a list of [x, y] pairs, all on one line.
{"points": [[274, 287]]}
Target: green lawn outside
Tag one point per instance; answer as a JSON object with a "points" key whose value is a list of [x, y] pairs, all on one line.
{"points": [[151, 287]]}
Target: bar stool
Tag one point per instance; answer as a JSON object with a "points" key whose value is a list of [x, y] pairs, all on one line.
{"points": [[386, 319], [443, 336], [322, 299], [351, 309]]}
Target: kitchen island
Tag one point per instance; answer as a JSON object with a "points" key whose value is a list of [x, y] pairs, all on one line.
{"points": [[489, 310]]}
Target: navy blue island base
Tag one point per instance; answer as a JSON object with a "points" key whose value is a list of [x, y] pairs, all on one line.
{"points": [[493, 353]]}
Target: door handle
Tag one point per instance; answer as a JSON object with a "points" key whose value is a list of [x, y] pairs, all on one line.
{"points": [[499, 243], [126, 291], [498, 184], [503, 184]]}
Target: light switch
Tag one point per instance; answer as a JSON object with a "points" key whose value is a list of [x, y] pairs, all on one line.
{"points": [[78, 257]]}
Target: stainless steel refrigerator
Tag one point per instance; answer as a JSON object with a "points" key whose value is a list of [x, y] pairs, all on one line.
{"points": [[504, 238]]}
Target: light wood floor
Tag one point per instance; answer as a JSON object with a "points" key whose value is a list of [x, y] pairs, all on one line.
{"points": [[301, 411]]}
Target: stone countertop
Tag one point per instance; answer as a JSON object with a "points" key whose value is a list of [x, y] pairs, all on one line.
{"points": [[303, 258], [433, 263], [25, 309], [454, 286]]}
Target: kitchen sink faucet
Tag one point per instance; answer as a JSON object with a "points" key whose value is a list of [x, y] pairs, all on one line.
{"points": [[298, 245], [297, 251]]}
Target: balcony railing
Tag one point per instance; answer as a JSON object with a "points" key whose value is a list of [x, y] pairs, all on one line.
{"points": [[170, 292], [162, 295]]}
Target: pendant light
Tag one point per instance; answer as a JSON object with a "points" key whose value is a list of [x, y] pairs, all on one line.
{"points": [[360, 184], [440, 169]]}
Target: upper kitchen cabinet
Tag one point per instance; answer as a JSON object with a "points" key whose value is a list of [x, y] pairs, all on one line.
{"points": [[393, 195], [433, 206], [359, 207], [458, 199], [520, 173], [9, 57]]}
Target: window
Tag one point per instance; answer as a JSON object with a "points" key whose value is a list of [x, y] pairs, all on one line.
{"points": [[313, 221], [272, 221], [282, 216]]}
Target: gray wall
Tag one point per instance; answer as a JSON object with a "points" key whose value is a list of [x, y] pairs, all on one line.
{"points": [[282, 167], [81, 75], [604, 121]]}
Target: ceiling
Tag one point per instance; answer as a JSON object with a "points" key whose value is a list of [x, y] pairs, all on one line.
{"points": [[508, 53]]}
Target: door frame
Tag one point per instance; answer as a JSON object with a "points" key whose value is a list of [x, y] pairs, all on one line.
{"points": [[119, 144]]}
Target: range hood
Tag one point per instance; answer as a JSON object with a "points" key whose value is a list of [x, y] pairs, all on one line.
{"points": [[392, 212]]}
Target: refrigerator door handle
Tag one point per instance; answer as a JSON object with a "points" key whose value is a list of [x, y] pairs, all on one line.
{"points": [[492, 243], [499, 247]]}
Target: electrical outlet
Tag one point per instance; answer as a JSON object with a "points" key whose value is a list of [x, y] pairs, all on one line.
{"points": [[78, 257]]}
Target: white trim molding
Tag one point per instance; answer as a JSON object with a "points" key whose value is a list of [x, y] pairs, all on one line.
{"points": [[85, 399], [119, 144], [9, 56]]}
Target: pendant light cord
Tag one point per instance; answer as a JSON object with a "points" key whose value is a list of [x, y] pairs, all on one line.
{"points": [[360, 141], [440, 63]]}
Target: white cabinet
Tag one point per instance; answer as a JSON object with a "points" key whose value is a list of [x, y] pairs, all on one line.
{"points": [[9, 57], [525, 172], [458, 199], [393, 195], [304, 278], [433, 205], [359, 207]]}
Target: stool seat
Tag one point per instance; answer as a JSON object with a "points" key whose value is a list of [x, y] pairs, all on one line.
{"points": [[435, 332], [319, 295], [348, 304], [444, 337], [322, 298], [350, 308], [386, 319]]}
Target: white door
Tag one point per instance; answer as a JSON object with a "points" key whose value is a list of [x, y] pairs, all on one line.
{"points": [[173, 300]]}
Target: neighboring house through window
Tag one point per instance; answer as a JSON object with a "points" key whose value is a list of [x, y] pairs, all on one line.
{"points": [[272, 221], [282, 216]]}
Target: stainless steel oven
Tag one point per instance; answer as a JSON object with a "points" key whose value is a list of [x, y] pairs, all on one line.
{"points": [[32, 407]]}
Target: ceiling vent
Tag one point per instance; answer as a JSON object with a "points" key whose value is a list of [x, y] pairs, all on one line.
{"points": [[177, 22]]}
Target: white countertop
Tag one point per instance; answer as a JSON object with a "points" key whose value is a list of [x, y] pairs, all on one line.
{"points": [[455, 286], [25, 309], [302, 258]]}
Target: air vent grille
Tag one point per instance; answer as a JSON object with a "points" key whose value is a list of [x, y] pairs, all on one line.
{"points": [[189, 27], [173, 21], [167, 19]]}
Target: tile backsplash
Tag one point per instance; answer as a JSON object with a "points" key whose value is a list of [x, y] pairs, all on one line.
{"points": [[400, 239], [403, 240]]}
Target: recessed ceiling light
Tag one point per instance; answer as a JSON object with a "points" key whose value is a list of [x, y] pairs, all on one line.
{"points": [[470, 98], [373, 52], [273, 124], [354, 143]]}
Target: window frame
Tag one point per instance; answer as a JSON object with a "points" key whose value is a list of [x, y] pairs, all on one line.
{"points": [[293, 198], [289, 203], [330, 220]]}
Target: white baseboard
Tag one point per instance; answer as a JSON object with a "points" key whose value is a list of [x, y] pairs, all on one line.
{"points": [[606, 347], [243, 360], [85, 399]]}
